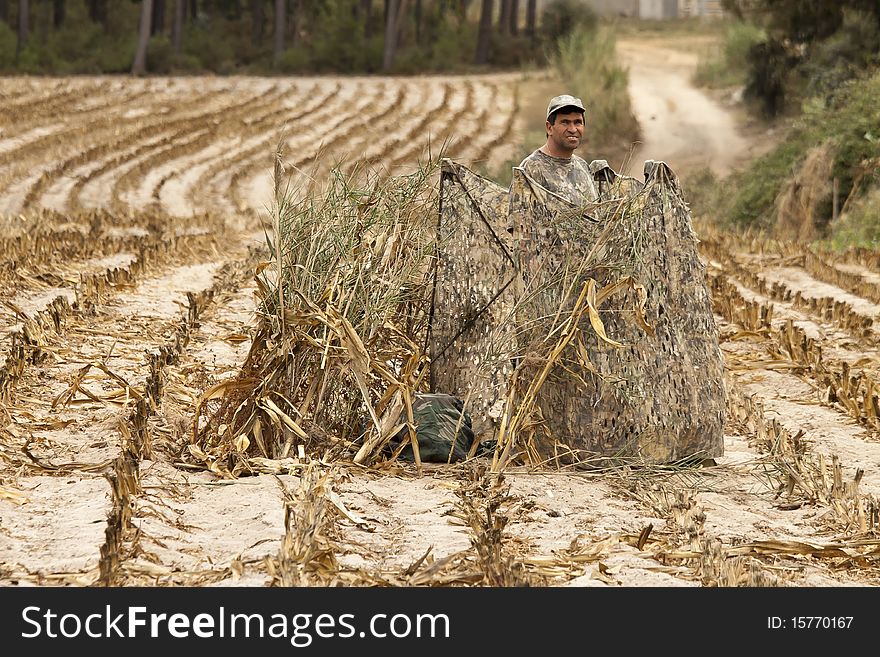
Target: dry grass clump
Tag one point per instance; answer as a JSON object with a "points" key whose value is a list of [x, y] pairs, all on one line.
{"points": [[485, 505], [308, 554], [801, 203], [344, 308]]}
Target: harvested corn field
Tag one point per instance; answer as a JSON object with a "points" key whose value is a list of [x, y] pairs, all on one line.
{"points": [[134, 263]]}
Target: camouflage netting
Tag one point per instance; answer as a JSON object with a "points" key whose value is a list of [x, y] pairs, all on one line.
{"points": [[612, 295], [469, 347]]}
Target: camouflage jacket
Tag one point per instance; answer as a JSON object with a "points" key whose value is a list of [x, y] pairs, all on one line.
{"points": [[570, 178]]}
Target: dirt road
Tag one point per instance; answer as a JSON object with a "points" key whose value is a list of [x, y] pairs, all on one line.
{"points": [[681, 124], [130, 230]]}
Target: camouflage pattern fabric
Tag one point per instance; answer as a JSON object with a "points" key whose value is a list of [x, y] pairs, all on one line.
{"points": [[469, 333], [604, 176], [569, 178], [436, 417], [660, 395]]}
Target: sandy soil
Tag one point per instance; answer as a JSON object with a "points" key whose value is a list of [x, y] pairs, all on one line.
{"points": [[72, 406]]}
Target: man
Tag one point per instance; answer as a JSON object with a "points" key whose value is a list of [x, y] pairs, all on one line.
{"points": [[554, 166]]}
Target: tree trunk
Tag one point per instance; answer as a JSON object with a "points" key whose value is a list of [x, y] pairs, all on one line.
{"points": [[98, 11], [58, 13], [485, 33], [514, 17], [139, 67], [4, 11], [402, 9], [392, 7], [157, 23], [193, 10], [280, 28], [418, 19], [531, 18], [258, 22], [504, 17], [23, 28], [367, 10], [177, 25], [293, 28]]}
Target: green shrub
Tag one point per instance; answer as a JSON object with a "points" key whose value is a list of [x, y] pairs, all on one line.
{"points": [[586, 60], [848, 120], [7, 47], [115, 55], [33, 59], [160, 55], [341, 45], [850, 50], [753, 191], [860, 225], [727, 63], [71, 49], [518, 51], [449, 45], [293, 60], [214, 44], [561, 17]]}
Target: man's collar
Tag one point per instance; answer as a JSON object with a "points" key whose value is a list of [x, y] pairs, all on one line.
{"points": [[554, 156]]}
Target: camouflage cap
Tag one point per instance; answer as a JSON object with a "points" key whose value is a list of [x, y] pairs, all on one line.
{"points": [[558, 102]]}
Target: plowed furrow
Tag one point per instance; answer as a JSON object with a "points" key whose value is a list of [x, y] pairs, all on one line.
{"points": [[238, 162], [220, 134], [33, 335], [165, 135], [28, 112], [209, 163], [501, 136], [825, 303], [412, 127], [493, 128], [114, 404], [301, 147], [202, 154], [346, 145], [845, 381], [199, 546], [76, 125], [48, 245], [87, 146]]}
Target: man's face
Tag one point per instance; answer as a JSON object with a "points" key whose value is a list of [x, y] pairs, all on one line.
{"points": [[567, 132]]}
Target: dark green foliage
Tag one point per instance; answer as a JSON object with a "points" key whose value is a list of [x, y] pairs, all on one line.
{"points": [[842, 56], [7, 47], [560, 17], [848, 120], [820, 60], [325, 36], [756, 188], [769, 64], [730, 63], [811, 46]]}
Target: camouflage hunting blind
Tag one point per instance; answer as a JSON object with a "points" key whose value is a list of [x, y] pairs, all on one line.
{"points": [[596, 317]]}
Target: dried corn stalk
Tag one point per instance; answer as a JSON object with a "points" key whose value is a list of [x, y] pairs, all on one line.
{"points": [[338, 352]]}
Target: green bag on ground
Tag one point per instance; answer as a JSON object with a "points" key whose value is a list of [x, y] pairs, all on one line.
{"points": [[436, 416]]}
